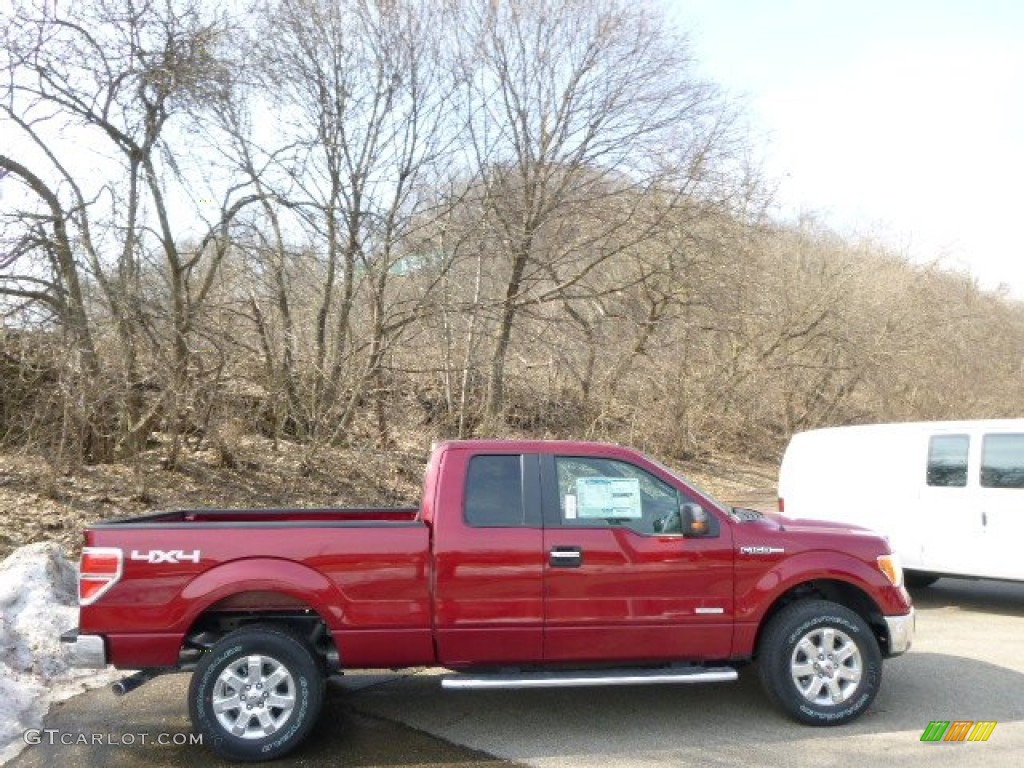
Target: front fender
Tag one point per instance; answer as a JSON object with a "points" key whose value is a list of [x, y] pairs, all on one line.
{"points": [[756, 593]]}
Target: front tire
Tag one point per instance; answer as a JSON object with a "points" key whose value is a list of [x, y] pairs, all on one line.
{"points": [[820, 663], [257, 694]]}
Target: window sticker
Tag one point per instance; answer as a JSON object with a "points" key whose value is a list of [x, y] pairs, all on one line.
{"points": [[604, 497], [570, 507]]}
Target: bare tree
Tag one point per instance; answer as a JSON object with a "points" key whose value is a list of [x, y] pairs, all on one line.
{"points": [[364, 130], [572, 104], [115, 76]]}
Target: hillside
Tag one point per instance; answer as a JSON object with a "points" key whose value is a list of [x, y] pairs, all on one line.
{"points": [[193, 311], [36, 506]]}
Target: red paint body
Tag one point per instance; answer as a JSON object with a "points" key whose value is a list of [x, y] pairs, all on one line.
{"points": [[421, 587]]}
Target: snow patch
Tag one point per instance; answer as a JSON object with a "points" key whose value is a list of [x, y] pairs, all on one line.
{"points": [[38, 601]]}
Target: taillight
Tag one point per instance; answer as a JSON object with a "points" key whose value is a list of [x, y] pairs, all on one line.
{"points": [[99, 570], [782, 506]]}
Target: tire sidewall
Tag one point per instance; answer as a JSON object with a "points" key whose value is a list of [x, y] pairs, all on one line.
{"points": [[285, 648], [786, 632]]}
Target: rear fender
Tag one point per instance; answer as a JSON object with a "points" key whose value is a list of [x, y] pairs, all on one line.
{"points": [[264, 574]]}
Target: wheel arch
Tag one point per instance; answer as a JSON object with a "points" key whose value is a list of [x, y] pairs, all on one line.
{"points": [[262, 591], [834, 590]]}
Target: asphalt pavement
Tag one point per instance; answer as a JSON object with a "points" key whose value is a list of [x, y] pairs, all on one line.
{"points": [[150, 727], [967, 663]]}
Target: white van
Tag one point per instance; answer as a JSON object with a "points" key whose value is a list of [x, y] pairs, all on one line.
{"points": [[948, 494]]}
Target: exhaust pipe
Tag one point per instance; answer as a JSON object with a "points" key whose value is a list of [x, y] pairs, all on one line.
{"points": [[133, 681]]}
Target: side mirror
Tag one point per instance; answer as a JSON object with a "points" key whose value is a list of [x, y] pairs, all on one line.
{"points": [[695, 520]]}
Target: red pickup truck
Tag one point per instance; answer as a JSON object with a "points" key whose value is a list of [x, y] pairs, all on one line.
{"points": [[526, 564]]}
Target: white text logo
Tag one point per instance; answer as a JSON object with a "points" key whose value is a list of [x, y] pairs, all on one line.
{"points": [[156, 556]]}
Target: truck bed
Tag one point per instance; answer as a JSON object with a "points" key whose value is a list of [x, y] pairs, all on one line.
{"points": [[353, 516], [364, 571]]}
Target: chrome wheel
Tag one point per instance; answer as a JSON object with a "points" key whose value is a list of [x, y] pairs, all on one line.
{"points": [[254, 696], [826, 666]]}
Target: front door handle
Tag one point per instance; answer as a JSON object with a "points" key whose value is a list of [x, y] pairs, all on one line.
{"points": [[566, 557]]}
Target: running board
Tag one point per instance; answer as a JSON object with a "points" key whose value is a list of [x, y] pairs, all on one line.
{"points": [[586, 678]]}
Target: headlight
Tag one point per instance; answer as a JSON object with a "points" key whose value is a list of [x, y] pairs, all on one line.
{"points": [[890, 566]]}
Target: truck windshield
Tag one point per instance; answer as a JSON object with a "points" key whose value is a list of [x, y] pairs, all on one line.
{"points": [[720, 507]]}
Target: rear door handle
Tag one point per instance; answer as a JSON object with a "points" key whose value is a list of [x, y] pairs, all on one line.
{"points": [[566, 557]]}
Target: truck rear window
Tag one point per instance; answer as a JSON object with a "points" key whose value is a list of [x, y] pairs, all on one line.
{"points": [[494, 492]]}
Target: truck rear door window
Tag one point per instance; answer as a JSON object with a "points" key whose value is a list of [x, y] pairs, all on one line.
{"points": [[1002, 461], [947, 460], [494, 492]]}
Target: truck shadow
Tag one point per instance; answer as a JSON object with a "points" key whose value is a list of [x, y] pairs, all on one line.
{"points": [[344, 736], [678, 723], [104, 731], [409, 721]]}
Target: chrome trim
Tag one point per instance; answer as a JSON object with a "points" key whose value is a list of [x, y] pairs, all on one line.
{"points": [[901, 632], [709, 610], [762, 550], [84, 651], [580, 679]]}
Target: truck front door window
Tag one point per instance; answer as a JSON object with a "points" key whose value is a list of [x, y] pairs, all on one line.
{"points": [[605, 492]]}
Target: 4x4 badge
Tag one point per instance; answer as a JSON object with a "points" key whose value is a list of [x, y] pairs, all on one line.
{"points": [[155, 556]]}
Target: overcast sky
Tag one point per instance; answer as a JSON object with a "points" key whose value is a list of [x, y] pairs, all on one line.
{"points": [[901, 118]]}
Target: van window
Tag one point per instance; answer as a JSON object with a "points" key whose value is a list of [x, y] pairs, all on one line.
{"points": [[947, 460], [1002, 461], [494, 492]]}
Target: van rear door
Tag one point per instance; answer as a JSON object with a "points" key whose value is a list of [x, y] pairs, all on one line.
{"points": [[1001, 504], [973, 504], [949, 532]]}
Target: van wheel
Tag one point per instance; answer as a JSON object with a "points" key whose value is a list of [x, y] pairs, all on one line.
{"points": [[257, 693], [819, 662], [919, 579]]}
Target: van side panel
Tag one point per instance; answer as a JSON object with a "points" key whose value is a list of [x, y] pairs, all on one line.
{"points": [[877, 476]]}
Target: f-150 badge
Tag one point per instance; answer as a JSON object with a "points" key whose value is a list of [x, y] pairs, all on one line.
{"points": [[762, 550], [156, 556]]}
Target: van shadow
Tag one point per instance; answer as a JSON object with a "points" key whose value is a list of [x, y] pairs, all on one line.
{"points": [[921, 687], [1005, 598]]}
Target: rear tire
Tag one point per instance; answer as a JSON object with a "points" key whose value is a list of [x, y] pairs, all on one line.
{"points": [[820, 663], [257, 694]]}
